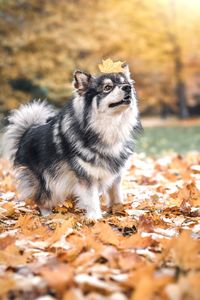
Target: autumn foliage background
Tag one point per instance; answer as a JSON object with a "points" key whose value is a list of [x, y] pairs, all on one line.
{"points": [[42, 42], [147, 249]]}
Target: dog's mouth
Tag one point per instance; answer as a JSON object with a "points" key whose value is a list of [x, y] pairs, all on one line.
{"points": [[126, 101]]}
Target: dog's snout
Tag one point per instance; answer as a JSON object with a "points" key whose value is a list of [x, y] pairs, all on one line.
{"points": [[126, 88]]}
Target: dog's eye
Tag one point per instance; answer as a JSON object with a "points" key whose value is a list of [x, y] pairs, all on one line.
{"points": [[107, 88]]}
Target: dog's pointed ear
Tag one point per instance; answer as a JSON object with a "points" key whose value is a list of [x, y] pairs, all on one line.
{"points": [[127, 72], [81, 81]]}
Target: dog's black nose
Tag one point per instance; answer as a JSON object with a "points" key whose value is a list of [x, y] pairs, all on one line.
{"points": [[126, 88]]}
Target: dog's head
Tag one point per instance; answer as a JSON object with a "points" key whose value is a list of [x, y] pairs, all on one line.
{"points": [[109, 93]]}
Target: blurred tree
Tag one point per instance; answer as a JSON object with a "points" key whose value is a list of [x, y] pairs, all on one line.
{"points": [[42, 42]]}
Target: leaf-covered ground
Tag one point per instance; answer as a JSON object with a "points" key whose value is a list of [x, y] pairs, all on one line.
{"points": [[148, 249]]}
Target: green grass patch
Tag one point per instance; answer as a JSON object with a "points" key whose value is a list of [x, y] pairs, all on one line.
{"points": [[161, 140]]}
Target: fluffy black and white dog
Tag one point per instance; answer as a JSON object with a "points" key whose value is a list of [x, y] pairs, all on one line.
{"points": [[80, 151]]}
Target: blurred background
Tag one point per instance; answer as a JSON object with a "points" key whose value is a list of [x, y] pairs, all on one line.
{"points": [[42, 42]]}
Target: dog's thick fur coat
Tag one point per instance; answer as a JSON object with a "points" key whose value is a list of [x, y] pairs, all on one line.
{"points": [[79, 151]]}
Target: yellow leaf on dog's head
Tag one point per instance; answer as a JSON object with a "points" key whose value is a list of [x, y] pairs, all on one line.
{"points": [[109, 66]]}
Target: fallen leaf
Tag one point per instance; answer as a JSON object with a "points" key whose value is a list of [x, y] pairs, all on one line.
{"points": [[108, 66], [59, 276], [6, 285], [105, 234]]}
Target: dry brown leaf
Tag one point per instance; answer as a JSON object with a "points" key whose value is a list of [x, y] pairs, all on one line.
{"points": [[10, 209], [59, 276], [146, 223], [129, 260], [73, 294], [6, 285], [105, 234], [135, 241], [11, 256], [6, 241], [60, 230], [185, 251], [148, 284], [32, 225]]}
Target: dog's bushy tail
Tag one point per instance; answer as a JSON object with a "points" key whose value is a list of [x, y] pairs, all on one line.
{"points": [[34, 113]]}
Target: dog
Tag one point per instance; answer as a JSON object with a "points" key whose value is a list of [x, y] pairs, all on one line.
{"points": [[80, 151]]}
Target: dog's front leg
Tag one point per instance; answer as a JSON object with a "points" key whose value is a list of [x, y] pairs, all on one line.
{"points": [[114, 193], [88, 199]]}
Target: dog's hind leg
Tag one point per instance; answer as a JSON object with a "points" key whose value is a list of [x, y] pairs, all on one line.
{"points": [[30, 188], [27, 183], [114, 194]]}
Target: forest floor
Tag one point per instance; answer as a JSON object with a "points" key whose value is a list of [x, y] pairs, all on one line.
{"points": [[147, 249]]}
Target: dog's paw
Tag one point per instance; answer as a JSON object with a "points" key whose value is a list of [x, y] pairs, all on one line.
{"points": [[45, 211], [116, 201], [93, 216]]}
